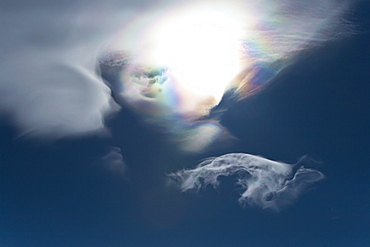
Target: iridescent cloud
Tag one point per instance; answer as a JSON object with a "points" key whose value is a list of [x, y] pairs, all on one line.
{"points": [[180, 58]]}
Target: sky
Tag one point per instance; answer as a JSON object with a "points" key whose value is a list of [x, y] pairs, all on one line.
{"points": [[91, 157]]}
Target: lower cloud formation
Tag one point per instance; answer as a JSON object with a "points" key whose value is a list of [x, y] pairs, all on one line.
{"points": [[265, 183]]}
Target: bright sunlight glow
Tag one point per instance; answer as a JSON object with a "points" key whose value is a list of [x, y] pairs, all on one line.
{"points": [[202, 50]]}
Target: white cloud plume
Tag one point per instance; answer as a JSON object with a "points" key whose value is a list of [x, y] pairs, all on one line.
{"points": [[265, 183]]}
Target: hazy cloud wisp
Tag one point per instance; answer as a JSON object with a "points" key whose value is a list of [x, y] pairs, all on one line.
{"points": [[114, 162]]}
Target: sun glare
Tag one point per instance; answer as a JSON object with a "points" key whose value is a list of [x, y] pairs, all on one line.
{"points": [[202, 50]]}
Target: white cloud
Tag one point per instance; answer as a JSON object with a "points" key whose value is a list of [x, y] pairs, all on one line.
{"points": [[265, 183], [49, 86]]}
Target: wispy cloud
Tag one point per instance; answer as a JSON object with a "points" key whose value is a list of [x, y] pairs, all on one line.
{"points": [[265, 183]]}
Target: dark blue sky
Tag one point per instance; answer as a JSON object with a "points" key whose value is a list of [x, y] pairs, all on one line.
{"points": [[60, 194]]}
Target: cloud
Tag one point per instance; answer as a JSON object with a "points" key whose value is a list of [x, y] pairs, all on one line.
{"points": [[113, 160], [265, 183], [49, 82], [51, 85], [174, 64]]}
